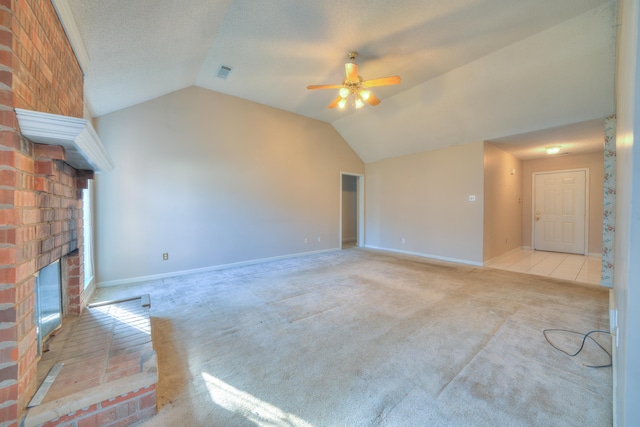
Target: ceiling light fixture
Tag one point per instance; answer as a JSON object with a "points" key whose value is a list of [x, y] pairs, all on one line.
{"points": [[553, 150]]}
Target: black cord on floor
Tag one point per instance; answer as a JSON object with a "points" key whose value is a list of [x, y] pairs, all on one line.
{"points": [[584, 339]]}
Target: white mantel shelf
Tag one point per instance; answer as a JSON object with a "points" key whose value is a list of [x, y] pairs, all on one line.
{"points": [[81, 142]]}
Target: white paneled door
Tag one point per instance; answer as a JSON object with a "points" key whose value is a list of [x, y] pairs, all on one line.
{"points": [[559, 218]]}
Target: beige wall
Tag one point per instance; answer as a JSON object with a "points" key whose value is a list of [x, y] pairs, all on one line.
{"points": [[424, 198], [502, 202], [212, 180], [595, 163]]}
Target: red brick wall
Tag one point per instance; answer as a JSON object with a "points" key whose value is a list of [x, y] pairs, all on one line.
{"points": [[40, 204], [46, 74]]}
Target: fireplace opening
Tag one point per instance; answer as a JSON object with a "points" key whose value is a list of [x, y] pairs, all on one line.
{"points": [[48, 302]]}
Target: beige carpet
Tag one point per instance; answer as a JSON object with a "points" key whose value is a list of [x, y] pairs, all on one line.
{"points": [[365, 338]]}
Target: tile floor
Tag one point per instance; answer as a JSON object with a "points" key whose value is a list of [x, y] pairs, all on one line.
{"points": [[579, 268]]}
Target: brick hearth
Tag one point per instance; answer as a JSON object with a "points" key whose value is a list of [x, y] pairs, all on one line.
{"points": [[108, 375]]}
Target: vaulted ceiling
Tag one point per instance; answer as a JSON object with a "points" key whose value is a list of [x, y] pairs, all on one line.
{"points": [[472, 70]]}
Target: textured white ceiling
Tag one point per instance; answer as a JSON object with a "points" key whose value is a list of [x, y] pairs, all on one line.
{"points": [[559, 76], [142, 49]]}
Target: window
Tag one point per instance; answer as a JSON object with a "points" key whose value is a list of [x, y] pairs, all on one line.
{"points": [[87, 198]]}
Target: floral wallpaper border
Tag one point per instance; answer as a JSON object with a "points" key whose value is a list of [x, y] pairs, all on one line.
{"points": [[609, 212]]}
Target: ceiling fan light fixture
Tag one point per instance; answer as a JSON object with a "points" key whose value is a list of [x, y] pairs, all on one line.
{"points": [[344, 92], [359, 103], [365, 94], [342, 103]]}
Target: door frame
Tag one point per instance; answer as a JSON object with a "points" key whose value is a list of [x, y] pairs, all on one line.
{"points": [[360, 208], [586, 204]]}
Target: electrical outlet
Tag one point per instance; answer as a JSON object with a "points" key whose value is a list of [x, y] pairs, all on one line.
{"points": [[319, 239], [472, 198], [165, 256], [403, 241], [306, 240]]}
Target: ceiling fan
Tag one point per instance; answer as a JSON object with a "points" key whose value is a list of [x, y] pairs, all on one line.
{"points": [[354, 88]]}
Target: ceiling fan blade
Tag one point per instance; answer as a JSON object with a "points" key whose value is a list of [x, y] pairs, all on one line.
{"points": [[352, 71], [382, 81], [312, 87], [372, 100], [334, 104]]}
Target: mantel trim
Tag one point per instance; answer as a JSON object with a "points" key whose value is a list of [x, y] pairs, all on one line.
{"points": [[81, 142]]}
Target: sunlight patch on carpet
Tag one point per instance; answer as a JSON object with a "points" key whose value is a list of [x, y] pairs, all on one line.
{"points": [[255, 410]]}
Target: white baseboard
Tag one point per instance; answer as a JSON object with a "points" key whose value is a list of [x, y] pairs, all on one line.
{"points": [[207, 269], [423, 255]]}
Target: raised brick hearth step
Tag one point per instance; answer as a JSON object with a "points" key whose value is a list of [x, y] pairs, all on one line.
{"points": [[107, 369]]}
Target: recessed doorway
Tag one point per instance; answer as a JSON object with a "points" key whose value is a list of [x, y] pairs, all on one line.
{"points": [[351, 210]]}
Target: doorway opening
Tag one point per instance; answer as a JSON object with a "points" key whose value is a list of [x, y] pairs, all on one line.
{"points": [[560, 201], [351, 210]]}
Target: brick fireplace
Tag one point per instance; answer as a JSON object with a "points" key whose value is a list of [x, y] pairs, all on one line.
{"points": [[40, 193]]}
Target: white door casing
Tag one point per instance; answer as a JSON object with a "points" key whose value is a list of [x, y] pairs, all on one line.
{"points": [[559, 211]]}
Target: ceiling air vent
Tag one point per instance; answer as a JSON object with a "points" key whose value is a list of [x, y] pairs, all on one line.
{"points": [[223, 72]]}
